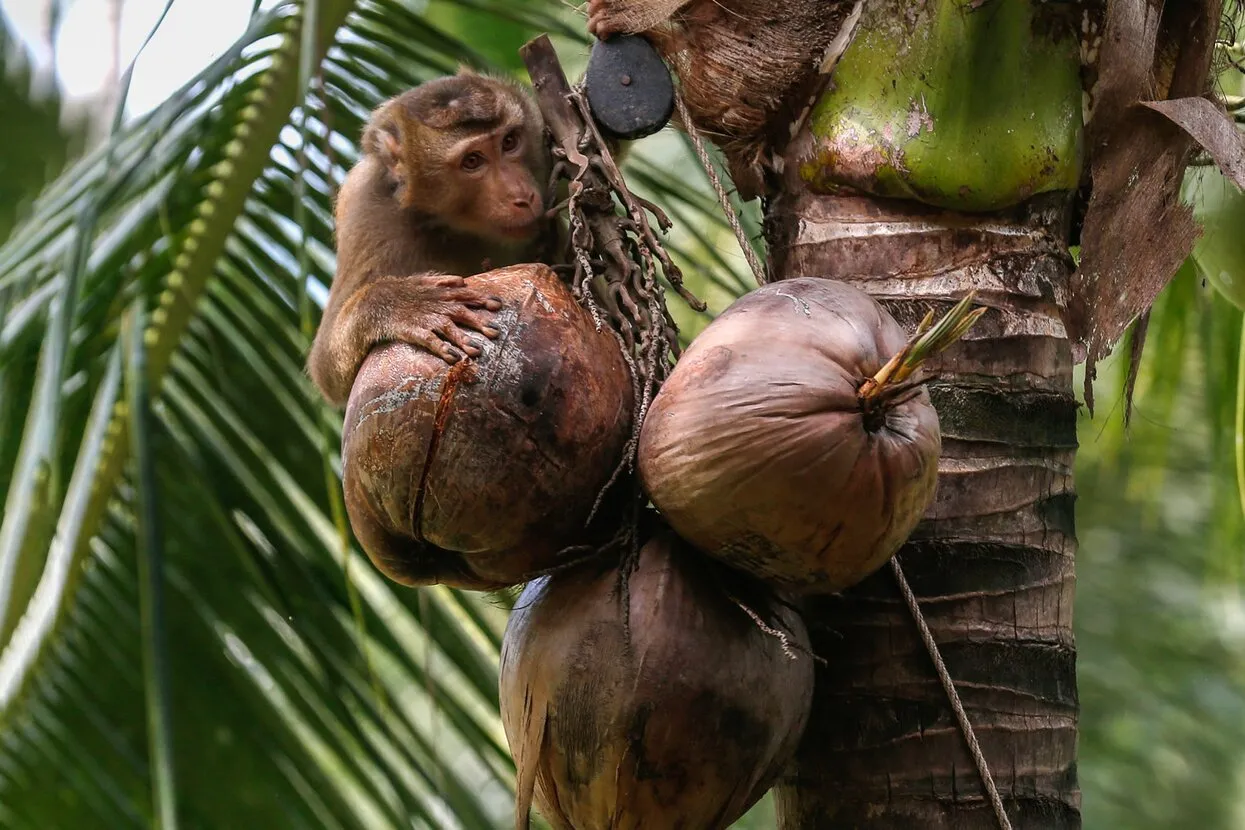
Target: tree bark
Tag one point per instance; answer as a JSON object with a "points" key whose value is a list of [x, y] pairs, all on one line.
{"points": [[993, 560]]}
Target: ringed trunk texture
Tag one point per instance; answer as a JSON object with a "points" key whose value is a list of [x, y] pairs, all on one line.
{"points": [[993, 559]]}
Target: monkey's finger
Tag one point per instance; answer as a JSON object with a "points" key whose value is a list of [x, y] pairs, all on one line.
{"points": [[446, 352], [428, 340], [469, 319], [453, 334], [471, 296], [443, 281], [476, 301]]}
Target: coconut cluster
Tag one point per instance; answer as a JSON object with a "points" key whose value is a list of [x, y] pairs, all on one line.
{"points": [[665, 682]]}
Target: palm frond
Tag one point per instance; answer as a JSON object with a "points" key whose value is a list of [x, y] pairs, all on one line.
{"points": [[304, 690]]}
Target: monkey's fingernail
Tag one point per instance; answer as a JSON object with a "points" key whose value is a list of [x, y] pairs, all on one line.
{"points": [[492, 331]]}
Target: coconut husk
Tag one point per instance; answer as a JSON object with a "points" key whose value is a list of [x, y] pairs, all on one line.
{"points": [[759, 448], [674, 703], [481, 474], [742, 66]]}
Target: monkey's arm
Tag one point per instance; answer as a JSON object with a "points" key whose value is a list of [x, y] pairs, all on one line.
{"points": [[387, 289], [612, 17], [430, 311]]}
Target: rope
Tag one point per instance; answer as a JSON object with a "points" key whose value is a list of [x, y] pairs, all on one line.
{"points": [[970, 737], [944, 676], [728, 210]]}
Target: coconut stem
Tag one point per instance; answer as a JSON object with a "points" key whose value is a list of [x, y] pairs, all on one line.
{"points": [[930, 339]]}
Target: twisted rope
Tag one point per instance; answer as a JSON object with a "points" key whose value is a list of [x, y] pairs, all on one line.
{"points": [[948, 685], [728, 210]]}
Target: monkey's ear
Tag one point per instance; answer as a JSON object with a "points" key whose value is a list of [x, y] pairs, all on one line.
{"points": [[392, 147], [381, 139]]}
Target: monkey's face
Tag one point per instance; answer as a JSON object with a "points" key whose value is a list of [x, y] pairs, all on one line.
{"points": [[466, 152], [490, 187]]}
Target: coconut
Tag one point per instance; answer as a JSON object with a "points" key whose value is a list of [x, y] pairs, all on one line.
{"points": [[789, 443], [685, 723], [478, 474]]}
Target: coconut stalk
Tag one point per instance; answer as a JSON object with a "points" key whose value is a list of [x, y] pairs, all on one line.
{"points": [[941, 162]]}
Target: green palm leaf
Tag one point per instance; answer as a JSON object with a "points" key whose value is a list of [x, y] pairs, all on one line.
{"points": [[303, 689]]}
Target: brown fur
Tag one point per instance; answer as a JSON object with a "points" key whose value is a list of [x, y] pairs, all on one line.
{"points": [[412, 222], [739, 63]]}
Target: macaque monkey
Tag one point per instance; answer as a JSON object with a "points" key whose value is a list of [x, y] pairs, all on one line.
{"points": [[744, 66], [451, 183]]}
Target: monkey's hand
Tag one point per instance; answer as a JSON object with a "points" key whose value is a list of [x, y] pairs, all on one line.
{"points": [[434, 312], [615, 17]]}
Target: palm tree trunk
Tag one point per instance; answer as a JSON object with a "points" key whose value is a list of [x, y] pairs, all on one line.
{"points": [[942, 160], [993, 560]]}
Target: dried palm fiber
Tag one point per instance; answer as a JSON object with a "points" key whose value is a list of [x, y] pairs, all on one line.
{"points": [[1154, 64], [675, 703]]}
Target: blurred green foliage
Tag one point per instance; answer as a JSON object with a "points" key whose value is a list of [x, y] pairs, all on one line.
{"points": [[34, 146], [1160, 615]]}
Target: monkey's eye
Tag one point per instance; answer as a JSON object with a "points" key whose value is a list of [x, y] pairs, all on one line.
{"points": [[511, 142], [473, 161]]}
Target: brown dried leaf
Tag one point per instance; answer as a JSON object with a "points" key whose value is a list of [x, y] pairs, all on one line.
{"points": [[1136, 234], [1212, 128], [1137, 231]]}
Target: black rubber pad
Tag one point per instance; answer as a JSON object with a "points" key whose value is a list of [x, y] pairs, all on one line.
{"points": [[629, 87]]}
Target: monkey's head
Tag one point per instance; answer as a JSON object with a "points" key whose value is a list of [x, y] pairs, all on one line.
{"points": [[468, 152]]}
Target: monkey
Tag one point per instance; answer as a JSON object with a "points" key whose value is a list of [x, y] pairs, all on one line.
{"points": [[746, 67], [450, 182]]}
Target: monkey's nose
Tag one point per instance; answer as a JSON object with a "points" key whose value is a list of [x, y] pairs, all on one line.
{"points": [[524, 201]]}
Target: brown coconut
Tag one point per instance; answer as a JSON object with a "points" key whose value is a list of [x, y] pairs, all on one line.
{"points": [[477, 474], [685, 725], [757, 449]]}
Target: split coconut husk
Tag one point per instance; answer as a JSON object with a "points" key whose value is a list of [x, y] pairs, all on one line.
{"points": [[686, 723], [479, 474], [791, 440]]}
